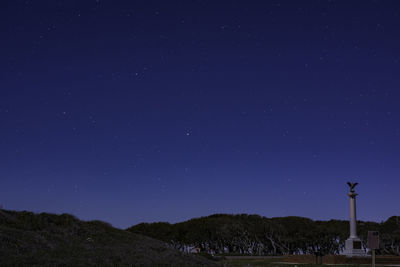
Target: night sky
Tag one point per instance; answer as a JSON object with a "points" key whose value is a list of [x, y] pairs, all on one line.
{"points": [[142, 111]]}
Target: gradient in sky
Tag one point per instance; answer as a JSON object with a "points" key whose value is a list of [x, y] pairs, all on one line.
{"points": [[142, 111]]}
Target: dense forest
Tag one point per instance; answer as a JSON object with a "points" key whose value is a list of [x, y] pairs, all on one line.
{"points": [[256, 235]]}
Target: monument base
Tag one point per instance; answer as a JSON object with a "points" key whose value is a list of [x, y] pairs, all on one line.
{"points": [[353, 248]]}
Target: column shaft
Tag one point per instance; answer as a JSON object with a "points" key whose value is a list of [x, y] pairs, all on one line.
{"points": [[353, 218]]}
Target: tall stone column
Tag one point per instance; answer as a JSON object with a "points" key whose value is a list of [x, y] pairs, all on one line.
{"points": [[353, 218], [353, 243]]}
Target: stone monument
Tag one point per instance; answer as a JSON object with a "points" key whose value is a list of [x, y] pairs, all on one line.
{"points": [[353, 245]]}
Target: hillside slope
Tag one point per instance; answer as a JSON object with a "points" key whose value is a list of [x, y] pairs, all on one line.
{"points": [[63, 240]]}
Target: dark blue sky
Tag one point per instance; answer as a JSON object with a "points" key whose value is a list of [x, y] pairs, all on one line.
{"points": [[131, 111]]}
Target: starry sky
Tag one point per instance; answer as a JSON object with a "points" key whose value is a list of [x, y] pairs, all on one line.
{"points": [[143, 111]]}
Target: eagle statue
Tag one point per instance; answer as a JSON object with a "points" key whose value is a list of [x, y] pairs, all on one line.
{"points": [[352, 185]]}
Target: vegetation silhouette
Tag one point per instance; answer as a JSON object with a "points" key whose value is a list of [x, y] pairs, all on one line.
{"points": [[255, 235], [28, 239], [53, 240]]}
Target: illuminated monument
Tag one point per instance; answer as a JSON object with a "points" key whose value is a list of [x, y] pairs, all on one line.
{"points": [[353, 245]]}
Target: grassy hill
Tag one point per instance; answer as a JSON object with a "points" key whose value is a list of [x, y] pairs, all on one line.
{"points": [[28, 239]]}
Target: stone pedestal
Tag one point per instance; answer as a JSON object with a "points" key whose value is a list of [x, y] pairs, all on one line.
{"points": [[353, 246]]}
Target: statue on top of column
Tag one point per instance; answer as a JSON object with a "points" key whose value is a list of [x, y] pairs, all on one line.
{"points": [[352, 185]]}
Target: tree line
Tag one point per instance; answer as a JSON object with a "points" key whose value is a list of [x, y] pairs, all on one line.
{"points": [[255, 235]]}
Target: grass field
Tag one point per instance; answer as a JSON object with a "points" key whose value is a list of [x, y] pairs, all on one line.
{"points": [[277, 262]]}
